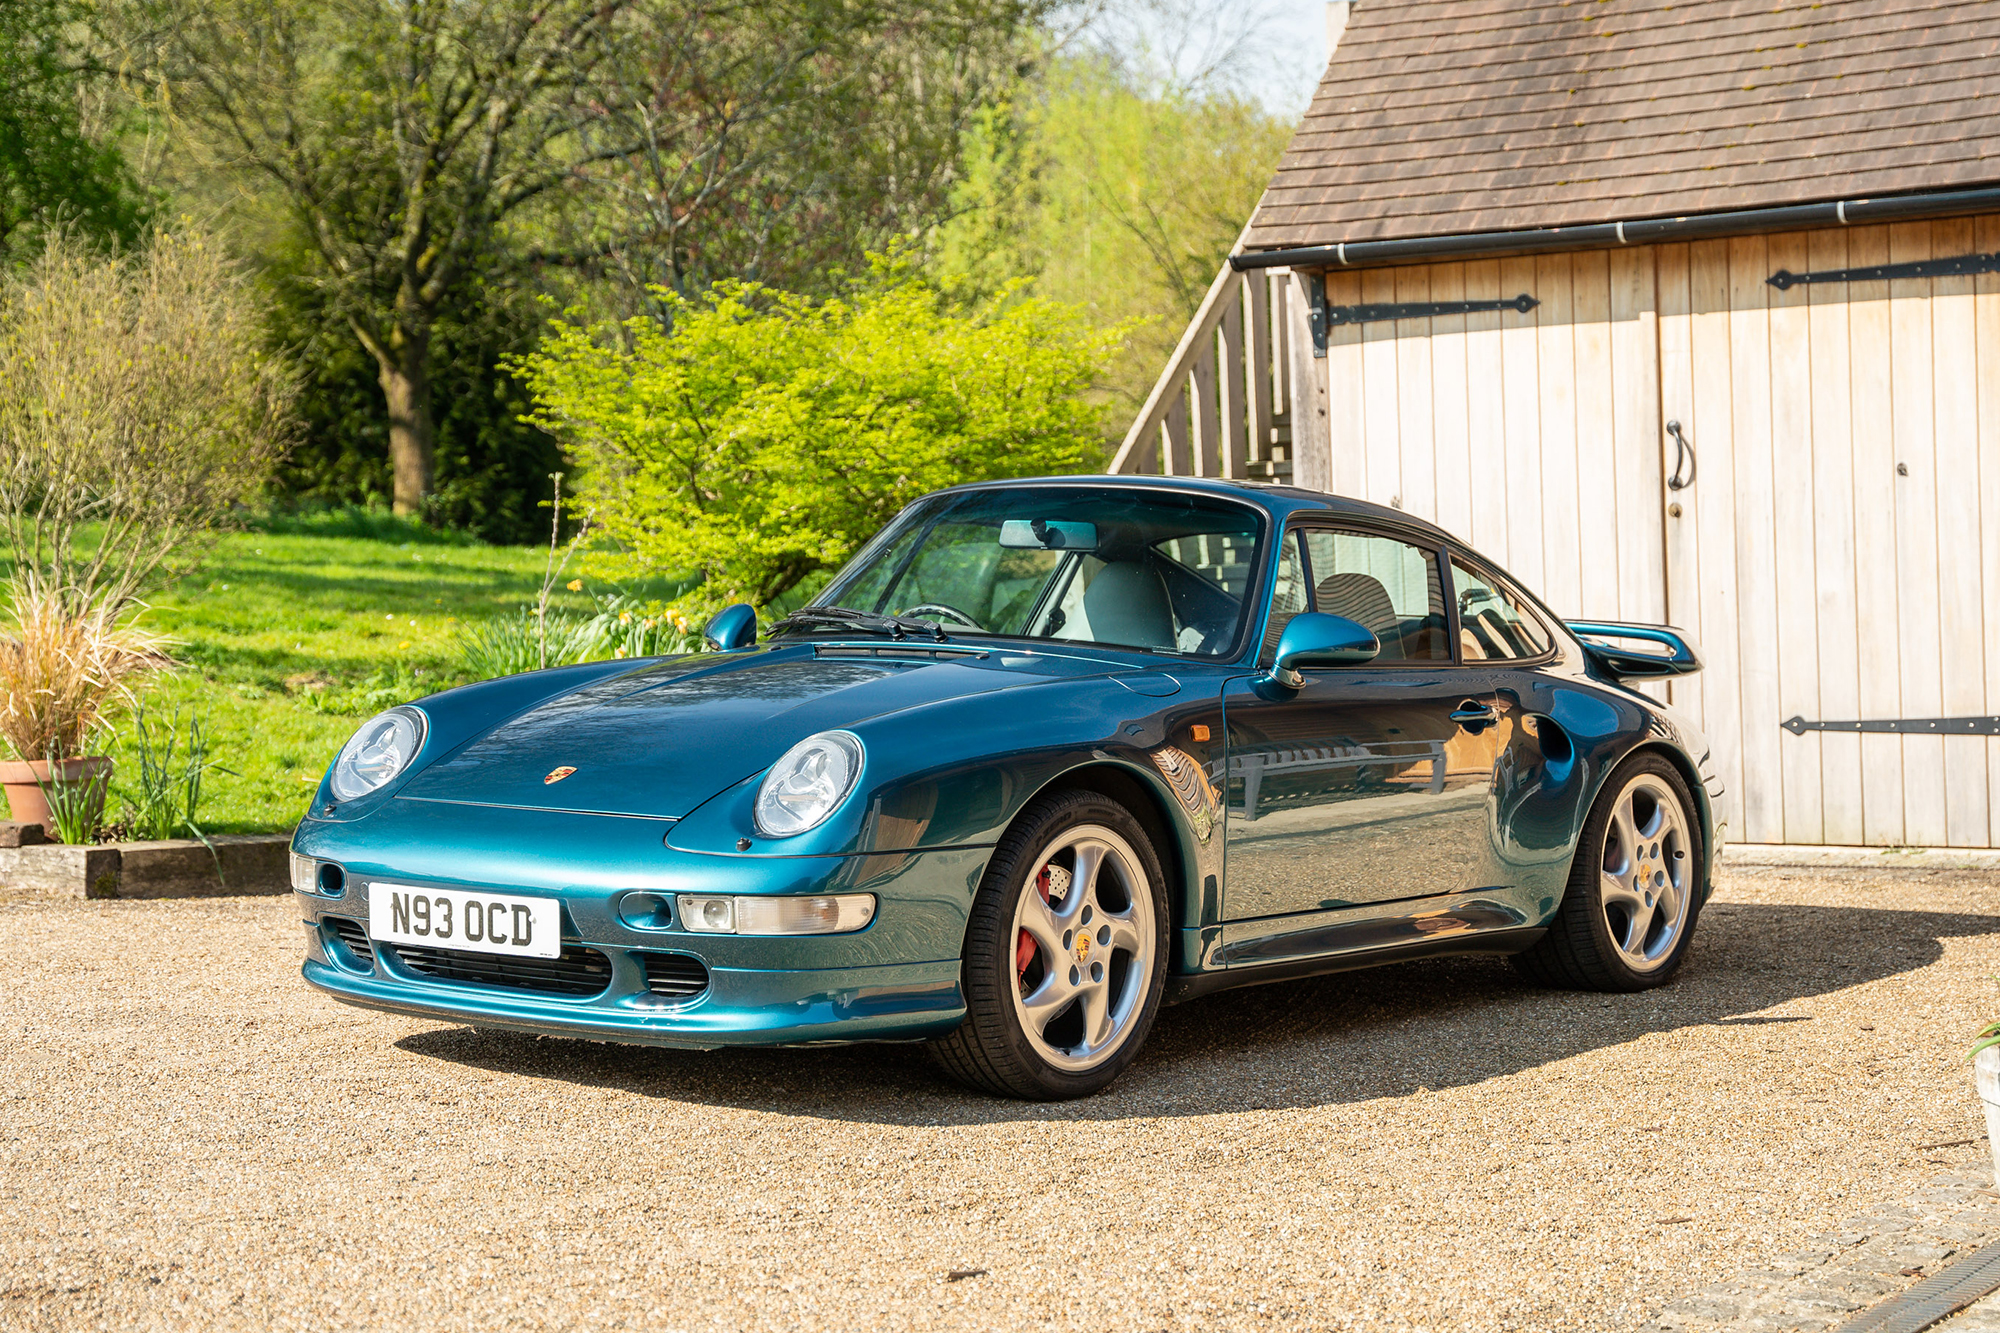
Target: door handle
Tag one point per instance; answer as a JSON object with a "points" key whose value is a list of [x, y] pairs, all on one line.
{"points": [[1683, 453], [1474, 716]]}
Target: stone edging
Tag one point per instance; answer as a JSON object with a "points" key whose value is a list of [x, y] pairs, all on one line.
{"points": [[1863, 858], [1865, 1260], [182, 868]]}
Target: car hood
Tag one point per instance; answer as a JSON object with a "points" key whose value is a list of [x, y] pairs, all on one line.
{"points": [[658, 741]]}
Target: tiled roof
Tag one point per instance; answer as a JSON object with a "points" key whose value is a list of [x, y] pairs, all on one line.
{"points": [[1437, 117]]}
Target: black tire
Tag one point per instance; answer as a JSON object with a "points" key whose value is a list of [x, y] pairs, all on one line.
{"points": [[991, 1051], [1580, 950]]}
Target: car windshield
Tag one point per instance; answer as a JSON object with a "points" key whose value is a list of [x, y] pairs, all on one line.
{"points": [[1126, 568]]}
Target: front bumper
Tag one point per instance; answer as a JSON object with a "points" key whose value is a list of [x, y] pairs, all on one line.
{"points": [[897, 979], [741, 1007]]}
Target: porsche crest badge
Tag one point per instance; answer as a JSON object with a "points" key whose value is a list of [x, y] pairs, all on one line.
{"points": [[558, 774]]}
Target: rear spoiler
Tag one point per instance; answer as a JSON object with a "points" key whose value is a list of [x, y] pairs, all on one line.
{"points": [[1616, 648]]}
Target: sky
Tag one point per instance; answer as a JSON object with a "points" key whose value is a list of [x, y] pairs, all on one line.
{"points": [[1269, 50]]}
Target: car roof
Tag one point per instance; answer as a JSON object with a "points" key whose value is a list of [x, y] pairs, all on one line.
{"points": [[1280, 500]]}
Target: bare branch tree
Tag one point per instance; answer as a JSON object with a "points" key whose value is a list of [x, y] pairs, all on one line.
{"points": [[416, 141]]}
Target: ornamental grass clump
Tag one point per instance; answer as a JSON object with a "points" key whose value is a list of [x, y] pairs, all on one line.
{"points": [[65, 671]]}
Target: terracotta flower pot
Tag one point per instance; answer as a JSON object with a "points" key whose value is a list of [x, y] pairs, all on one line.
{"points": [[24, 781]]}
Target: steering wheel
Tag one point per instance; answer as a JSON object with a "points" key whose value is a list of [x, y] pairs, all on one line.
{"points": [[940, 609]]}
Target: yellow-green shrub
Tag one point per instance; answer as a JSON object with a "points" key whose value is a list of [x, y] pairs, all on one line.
{"points": [[763, 436]]}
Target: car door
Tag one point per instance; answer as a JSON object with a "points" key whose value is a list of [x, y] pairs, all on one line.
{"points": [[1502, 636], [1372, 783]]}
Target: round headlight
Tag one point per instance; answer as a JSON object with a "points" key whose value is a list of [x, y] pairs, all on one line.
{"points": [[808, 783], [382, 748]]}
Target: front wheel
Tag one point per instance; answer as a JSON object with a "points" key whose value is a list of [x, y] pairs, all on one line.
{"points": [[1065, 953], [1629, 912]]}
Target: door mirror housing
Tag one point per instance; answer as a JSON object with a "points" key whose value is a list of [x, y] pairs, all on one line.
{"points": [[733, 629], [1316, 639]]}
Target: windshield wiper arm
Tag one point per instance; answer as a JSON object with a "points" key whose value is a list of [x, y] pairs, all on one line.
{"points": [[840, 617]]}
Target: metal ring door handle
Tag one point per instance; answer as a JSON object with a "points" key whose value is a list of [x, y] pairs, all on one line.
{"points": [[1474, 716], [1683, 453]]}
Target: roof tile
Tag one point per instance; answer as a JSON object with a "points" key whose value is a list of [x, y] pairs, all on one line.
{"points": [[1442, 116]]}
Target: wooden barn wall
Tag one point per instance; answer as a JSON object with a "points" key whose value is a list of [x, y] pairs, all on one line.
{"points": [[1474, 421], [1819, 579]]}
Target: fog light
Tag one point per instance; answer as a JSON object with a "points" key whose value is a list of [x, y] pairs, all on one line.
{"points": [[711, 916], [305, 873], [830, 914]]}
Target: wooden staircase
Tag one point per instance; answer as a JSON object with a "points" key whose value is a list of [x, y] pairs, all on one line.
{"points": [[1225, 404]]}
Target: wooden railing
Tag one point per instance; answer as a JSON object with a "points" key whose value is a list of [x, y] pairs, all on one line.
{"points": [[1224, 405]]}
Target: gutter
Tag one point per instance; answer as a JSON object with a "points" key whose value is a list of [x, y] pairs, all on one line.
{"points": [[1695, 226]]}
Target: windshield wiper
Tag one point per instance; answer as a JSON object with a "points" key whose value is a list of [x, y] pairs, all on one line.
{"points": [[839, 617]]}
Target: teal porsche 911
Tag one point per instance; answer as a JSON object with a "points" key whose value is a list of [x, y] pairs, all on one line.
{"points": [[1044, 756]]}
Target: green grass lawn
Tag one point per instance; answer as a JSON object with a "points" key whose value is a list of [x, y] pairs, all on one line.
{"points": [[280, 629]]}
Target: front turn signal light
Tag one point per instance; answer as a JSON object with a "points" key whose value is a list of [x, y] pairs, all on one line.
{"points": [[825, 914]]}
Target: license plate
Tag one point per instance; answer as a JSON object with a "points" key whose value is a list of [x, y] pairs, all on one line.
{"points": [[456, 919]]}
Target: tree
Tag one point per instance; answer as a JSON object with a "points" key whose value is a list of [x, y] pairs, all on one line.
{"points": [[419, 142], [492, 467], [54, 174], [138, 406], [764, 436], [1119, 194]]}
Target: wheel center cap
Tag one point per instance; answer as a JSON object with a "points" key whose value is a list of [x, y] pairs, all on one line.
{"points": [[1082, 948]]}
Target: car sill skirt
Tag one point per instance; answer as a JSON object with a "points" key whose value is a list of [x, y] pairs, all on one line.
{"points": [[1193, 986]]}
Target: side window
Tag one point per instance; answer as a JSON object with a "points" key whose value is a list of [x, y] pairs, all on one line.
{"points": [[1207, 574], [1493, 624], [1384, 585], [1288, 594]]}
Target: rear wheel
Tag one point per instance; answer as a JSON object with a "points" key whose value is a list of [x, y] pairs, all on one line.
{"points": [[1629, 911], [1065, 953]]}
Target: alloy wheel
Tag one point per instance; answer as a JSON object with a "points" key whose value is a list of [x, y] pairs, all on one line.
{"points": [[1083, 948], [1645, 885]]}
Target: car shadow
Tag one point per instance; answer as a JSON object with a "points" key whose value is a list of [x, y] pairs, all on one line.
{"points": [[1349, 1037]]}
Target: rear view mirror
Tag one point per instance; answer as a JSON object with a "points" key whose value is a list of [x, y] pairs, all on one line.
{"points": [[1315, 639], [1042, 534]]}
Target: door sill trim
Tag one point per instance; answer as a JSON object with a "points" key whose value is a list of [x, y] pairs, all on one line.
{"points": [[1503, 941]]}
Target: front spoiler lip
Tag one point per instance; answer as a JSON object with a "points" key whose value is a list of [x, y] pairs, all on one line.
{"points": [[742, 1007]]}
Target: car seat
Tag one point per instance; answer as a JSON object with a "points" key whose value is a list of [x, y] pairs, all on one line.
{"points": [[1127, 603], [1362, 599]]}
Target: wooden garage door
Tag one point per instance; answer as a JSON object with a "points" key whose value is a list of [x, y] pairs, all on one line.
{"points": [[1838, 552], [1479, 422]]}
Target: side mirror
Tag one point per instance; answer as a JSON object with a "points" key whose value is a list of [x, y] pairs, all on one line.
{"points": [[733, 629], [1313, 638]]}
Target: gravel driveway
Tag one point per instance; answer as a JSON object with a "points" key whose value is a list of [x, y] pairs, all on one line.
{"points": [[190, 1138]]}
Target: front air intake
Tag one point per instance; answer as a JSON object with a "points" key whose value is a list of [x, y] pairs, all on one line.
{"points": [[355, 937], [578, 971], [674, 976]]}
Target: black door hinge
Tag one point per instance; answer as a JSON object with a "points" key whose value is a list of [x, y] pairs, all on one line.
{"points": [[1908, 726], [1316, 311], [1337, 315], [1957, 267]]}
